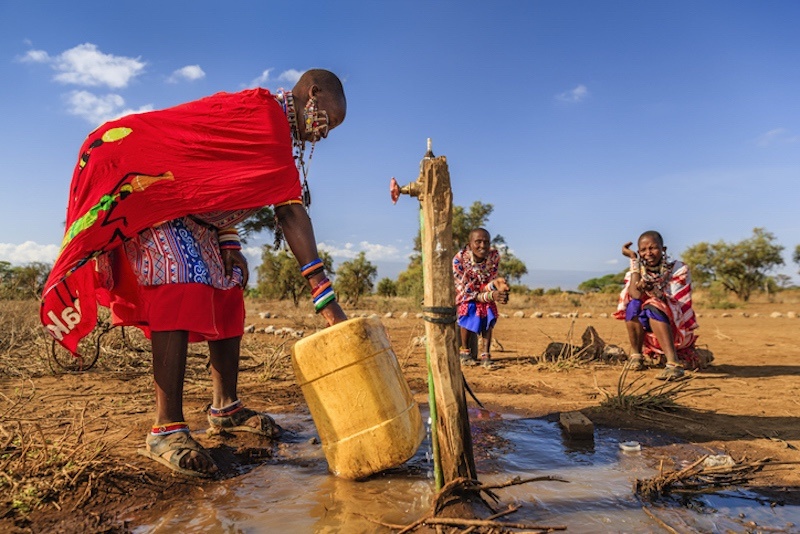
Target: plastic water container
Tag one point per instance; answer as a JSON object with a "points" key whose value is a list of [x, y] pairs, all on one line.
{"points": [[364, 412]]}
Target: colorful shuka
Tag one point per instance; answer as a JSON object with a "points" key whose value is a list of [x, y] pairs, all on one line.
{"points": [[670, 292], [225, 152], [472, 278]]}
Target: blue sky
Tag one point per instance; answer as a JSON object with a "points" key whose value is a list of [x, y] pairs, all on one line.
{"points": [[583, 122]]}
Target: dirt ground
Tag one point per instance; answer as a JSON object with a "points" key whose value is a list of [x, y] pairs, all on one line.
{"points": [[750, 407]]}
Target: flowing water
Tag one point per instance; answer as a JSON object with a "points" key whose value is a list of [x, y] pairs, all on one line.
{"points": [[295, 493]]}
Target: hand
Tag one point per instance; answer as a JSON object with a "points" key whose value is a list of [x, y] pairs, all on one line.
{"points": [[234, 258], [333, 313], [626, 250], [500, 296]]}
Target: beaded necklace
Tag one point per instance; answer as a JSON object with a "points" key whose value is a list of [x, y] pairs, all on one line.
{"points": [[657, 278], [286, 99]]}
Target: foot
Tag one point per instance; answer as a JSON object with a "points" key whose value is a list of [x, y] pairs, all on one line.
{"points": [[671, 372], [466, 358], [636, 362], [244, 420], [181, 453], [486, 361]]}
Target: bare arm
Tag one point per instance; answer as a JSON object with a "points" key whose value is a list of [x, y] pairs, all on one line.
{"points": [[299, 234], [634, 288]]}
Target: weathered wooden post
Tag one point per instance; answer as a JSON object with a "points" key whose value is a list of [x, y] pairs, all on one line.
{"points": [[451, 433]]}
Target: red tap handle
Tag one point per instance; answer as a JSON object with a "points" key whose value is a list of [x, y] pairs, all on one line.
{"points": [[394, 190]]}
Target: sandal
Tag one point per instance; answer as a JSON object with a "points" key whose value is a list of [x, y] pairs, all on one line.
{"points": [[486, 361], [636, 362], [237, 422], [171, 449], [671, 372], [466, 357]]}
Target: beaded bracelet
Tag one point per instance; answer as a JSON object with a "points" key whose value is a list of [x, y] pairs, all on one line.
{"points": [[323, 299], [486, 296], [635, 265], [319, 288], [311, 268], [229, 239]]}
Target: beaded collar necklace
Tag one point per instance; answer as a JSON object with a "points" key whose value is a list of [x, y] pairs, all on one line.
{"points": [[658, 276], [480, 268], [286, 99]]}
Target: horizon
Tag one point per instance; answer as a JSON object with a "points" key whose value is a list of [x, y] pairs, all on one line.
{"points": [[582, 123]]}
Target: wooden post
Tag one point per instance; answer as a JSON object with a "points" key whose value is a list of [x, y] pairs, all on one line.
{"points": [[452, 429]]}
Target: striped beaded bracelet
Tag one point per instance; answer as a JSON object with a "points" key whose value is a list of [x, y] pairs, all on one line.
{"points": [[311, 268], [325, 298], [229, 239]]}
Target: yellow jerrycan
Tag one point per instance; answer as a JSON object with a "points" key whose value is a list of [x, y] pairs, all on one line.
{"points": [[362, 407]]}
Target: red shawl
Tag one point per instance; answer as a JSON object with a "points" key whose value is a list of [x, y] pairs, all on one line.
{"points": [[223, 152]]}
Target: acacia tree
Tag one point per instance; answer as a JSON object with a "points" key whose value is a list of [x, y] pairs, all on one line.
{"points": [[386, 288], [279, 275], [355, 278], [23, 281], [796, 255], [511, 266], [740, 267]]}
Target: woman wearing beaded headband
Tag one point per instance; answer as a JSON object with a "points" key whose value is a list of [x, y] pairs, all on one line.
{"points": [[182, 280], [656, 305]]}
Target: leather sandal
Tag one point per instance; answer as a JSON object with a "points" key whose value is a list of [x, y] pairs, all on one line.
{"points": [[671, 373], [237, 422], [466, 357], [171, 449], [487, 362], [636, 362]]}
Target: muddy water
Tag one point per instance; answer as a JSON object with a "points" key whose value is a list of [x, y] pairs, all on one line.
{"points": [[294, 493]]}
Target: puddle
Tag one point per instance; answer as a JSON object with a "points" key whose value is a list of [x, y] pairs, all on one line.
{"points": [[295, 493]]}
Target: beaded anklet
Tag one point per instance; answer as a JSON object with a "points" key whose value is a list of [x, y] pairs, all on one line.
{"points": [[169, 428], [228, 410]]}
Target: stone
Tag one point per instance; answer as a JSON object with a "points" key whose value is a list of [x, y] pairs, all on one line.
{"points": [[576, 425], [519, 314], [404, 315], [537, 315], [586, 315], [776, 315], [249, 329], [554, 315], [388, 315]]}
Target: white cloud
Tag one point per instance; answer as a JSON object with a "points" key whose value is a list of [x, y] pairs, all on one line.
{"points": [[615, 261], [85, 65], [188, 73], [28, 252], [289, 77], [578, 94], [777, 136], [35, 56], [261, 80], [99, 109], [373, 251]]}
